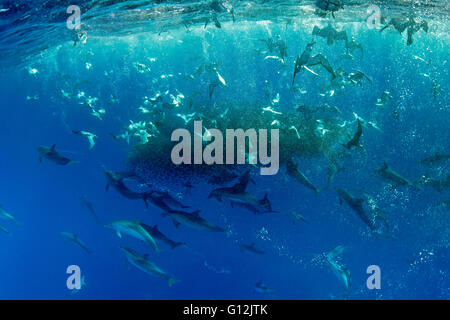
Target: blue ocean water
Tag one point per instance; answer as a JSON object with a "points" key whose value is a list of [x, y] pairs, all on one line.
{"points": [[129, 52]]}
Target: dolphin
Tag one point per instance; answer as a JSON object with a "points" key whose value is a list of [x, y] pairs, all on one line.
{"points": [[142, 263], [356, 204], [435, 159], [254, 205], [90, 137], [438, 184], [3, 229], [238, 196], [168, 200], [354, 142], [338, 269], [85, 203], [262, 288], [6, 216], [191, 219], [53, 156], [393, 177], [294, 172], [297, 216], [74, 238], [157, 235], [250, 247], [116, 181], [134, 229]]}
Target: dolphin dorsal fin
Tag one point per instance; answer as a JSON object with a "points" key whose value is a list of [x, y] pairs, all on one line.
{"points": [[53, 147]]}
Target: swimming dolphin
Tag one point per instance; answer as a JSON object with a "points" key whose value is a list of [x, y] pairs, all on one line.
{"points": [[134, 229], [297, 216], [435, 159], [3, 229], [338, 269], [438, 184], [239, 197], [191, 219], [89, 136], [85, 203], [250, 247], [262, 288], [168, 200], [142, 263], [157, 235], [294, 172], [330, 33], [356, 204], [354, 142], [6, 216], [386, 173], [74, 238], [116, 181], [53, 156]]}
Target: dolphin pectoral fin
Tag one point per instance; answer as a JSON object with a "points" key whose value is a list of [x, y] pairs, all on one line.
{"points": [[146, 202], [232, 204], [119, 234], [53, 147], [107, 187], [40, 159]]}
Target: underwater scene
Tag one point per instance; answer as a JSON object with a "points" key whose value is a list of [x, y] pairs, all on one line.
{"points": [[217, 150]]}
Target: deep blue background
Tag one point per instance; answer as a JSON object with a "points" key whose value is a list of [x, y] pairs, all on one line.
{"points": [[45, 198]]}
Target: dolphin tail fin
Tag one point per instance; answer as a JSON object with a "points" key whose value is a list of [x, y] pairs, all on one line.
{"points": [[173, 281]]}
